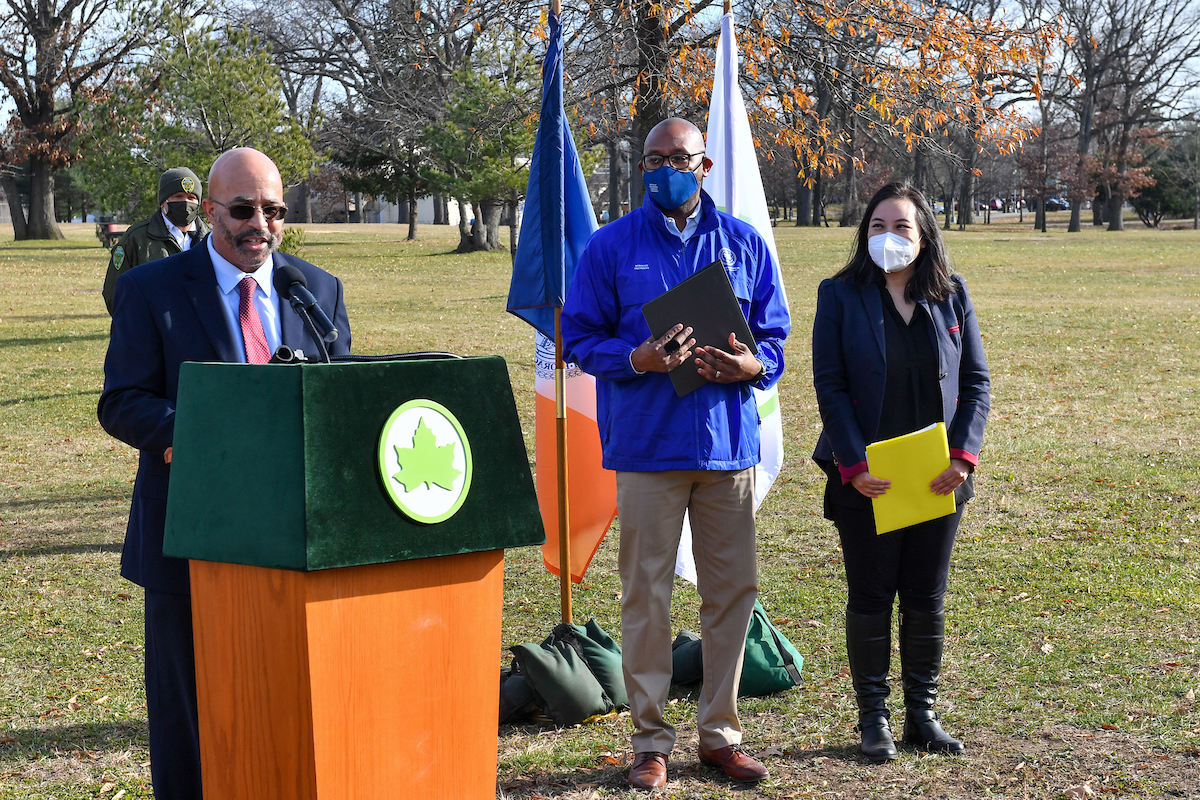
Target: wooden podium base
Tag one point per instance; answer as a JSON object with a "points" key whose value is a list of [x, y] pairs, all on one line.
{"points": [[369, 682]]}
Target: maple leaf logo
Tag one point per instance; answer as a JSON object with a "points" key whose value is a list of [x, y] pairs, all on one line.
{"points": [[426, 462]]}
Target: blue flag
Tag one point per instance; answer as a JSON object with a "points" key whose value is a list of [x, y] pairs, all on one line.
{"points": [[558, 219]]}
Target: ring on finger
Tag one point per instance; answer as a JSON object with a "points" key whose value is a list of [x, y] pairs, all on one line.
{"points": [[718, 373]]}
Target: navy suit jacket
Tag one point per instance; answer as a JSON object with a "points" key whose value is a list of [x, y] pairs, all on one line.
{"points": [[164, 313], [850, 370]]}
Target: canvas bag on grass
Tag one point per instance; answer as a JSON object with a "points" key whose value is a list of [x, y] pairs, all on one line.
{"points": [[771, 664], [574, 674]]}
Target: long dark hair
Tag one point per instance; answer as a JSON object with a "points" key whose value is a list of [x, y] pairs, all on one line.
{"points": [[932, 276]]}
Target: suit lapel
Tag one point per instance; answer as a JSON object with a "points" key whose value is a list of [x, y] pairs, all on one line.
{"points": [[874, 307], [200, 283]]}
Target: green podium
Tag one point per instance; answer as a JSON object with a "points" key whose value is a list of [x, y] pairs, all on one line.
{"points": [[346, 525]]}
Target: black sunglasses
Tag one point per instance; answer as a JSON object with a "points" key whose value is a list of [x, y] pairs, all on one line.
{"points": [[244, 211]]}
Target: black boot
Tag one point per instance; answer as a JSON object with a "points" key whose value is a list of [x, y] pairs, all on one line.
{"points": [[921, 639], [869, 648]]}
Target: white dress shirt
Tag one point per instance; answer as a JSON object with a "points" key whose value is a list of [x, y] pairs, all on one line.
{"points": [[689, 227], [181, 237], [266, 299]]}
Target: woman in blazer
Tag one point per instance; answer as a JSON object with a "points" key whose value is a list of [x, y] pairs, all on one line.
{"points": [[896, 348]]}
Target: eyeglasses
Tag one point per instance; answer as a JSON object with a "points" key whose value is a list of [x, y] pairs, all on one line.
{"points": [[244, 211], [679, 161]]}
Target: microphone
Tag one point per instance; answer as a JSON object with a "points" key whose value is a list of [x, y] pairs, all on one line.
{"points": [[291, 283]]}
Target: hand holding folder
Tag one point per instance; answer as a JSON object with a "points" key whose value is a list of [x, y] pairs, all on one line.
{"points": [[705, 302], [910, 462]]}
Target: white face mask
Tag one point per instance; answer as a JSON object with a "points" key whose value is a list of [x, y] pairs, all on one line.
{"points": [[892, 252]]}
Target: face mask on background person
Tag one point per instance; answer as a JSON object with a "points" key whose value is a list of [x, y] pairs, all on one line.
{"points": [[668, 187], [182, 212], [892, 252]]}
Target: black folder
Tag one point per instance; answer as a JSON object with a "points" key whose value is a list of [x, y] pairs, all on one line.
{"points": [[705, 302]]}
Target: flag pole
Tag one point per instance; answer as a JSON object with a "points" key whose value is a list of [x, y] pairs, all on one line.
{"points": [[560, 434]]}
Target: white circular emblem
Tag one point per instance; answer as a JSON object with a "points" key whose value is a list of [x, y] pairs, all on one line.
{"points": [[425, 461], [726, 256]]}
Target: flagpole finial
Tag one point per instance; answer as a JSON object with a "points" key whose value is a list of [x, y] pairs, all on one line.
{"points": [[556, 7], [728, 6]]}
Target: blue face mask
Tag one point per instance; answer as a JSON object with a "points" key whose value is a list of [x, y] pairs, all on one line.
{"points": [[668, 187]]}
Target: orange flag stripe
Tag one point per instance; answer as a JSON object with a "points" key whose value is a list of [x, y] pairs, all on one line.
{"points": [[592, 490]]}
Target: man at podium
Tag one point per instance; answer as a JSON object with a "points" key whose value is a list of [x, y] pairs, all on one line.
{"points": [[672, 454], [215, 302]]}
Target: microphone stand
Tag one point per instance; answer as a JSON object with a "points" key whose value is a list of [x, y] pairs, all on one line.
{"points": [[299, 308]]}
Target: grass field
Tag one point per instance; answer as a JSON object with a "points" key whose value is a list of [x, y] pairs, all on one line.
{"points": [[1074, 603]]}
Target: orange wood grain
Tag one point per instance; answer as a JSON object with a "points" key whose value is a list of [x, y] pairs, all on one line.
{"points": [[252, 682], [405, 680], [389, 670]]}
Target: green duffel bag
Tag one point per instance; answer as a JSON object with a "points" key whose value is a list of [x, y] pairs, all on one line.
{"points": [[574, 674], [771, 664]]}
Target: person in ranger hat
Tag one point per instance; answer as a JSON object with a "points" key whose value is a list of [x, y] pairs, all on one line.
{"points": [[174, 229]]}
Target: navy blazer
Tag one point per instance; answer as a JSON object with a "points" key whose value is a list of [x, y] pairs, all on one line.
{"points": [[850, 370], [164, 313]]}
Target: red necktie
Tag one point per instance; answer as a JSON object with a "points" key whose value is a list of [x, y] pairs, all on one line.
{"points": [[257, 351]]}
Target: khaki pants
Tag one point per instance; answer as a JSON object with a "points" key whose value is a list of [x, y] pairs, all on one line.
{"points": [[720, 505]]}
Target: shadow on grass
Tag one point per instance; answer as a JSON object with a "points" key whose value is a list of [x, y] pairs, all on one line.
{"points": [[95, 737], [39, 398], [61, 550], [33, 341], [55, 501]]}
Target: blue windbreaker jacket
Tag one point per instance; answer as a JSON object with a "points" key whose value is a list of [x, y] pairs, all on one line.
{"points": [[644, 426]]}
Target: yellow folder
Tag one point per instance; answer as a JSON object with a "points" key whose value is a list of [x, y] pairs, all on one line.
{"points": [[910, 462]]}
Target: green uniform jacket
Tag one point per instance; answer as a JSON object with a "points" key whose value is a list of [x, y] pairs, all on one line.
{"points": [[145, 241]]}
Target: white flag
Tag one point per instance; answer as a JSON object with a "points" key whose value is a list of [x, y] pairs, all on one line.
{"points": [[736, 188]]}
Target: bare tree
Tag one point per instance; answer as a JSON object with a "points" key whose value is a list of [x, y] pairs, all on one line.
{"points": [[1152, 71], [51, 52]]}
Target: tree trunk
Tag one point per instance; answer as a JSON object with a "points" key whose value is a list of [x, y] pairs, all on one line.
{"points": [[439, 210], [465, 241], [492, 211], [304, 198], [41, 224], [1086, 122], [1116, 215], [804, 200], [1100, 207], [850, 206], [15, 209], [614, 179], [966, 195], [514, 228], [1196, 209], [412, 215], [818, 201], [654, 61]]}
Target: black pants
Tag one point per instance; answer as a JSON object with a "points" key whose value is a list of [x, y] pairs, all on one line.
{"points": [[912, 562], [171, 697]]}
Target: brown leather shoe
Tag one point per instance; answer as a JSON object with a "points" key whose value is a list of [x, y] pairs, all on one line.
{"points": [[649, 771], [735, 762]]}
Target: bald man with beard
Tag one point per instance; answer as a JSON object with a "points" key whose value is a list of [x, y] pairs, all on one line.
{"points": [[215, 302], [675, 455]]}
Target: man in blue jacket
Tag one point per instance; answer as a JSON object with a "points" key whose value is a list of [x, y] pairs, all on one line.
{"points": [[673, 454], [214, 302]]}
